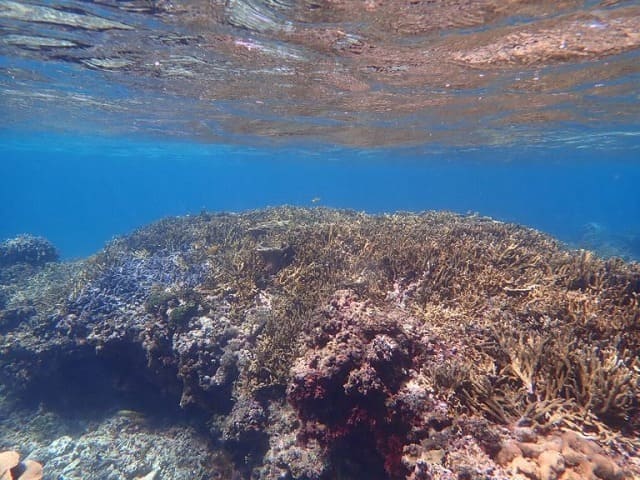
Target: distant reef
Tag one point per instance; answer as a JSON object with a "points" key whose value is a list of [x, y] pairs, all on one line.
{"points": [[293, 343]]}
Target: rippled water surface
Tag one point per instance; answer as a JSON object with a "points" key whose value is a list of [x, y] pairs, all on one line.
{"points": [[118, 113], [354, 72]]}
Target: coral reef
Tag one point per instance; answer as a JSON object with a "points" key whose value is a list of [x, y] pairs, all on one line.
{"points": [[30, 279], [567, 456], [27, 249], [353, 385], [122, 448], [316, 344], [110, 444]]}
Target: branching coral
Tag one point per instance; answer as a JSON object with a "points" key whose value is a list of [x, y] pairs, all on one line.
{"points": [[462, 316], [276, 349], [524, 351], [550, 380], [603, 383]]}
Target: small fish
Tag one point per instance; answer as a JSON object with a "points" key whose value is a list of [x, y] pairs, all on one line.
{"points": [[131, 415], [315, 200]]}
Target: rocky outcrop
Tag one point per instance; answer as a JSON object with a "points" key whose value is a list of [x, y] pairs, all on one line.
{"points": [[356, 385], [27, 249]]}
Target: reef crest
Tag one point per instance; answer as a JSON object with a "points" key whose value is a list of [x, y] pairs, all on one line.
{"points": [[315, 344]]}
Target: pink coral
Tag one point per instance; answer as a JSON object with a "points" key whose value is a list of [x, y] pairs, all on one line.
{"points": [[350, 382]]}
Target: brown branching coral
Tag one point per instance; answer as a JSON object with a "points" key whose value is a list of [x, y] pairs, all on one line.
{"points": [[447, 319], [524, 351], [550, 379], [604, 383], [558, 329], [276, 349]]}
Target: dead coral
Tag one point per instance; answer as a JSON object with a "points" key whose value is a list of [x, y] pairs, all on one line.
{"points": [[27, 249], [350, 373]]}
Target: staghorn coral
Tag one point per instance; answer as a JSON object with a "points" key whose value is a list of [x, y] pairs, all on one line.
{"points": [[550, 379], [289, 334]]}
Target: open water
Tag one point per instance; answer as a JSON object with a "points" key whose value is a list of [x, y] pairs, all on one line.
{"points": [[117, 113]]}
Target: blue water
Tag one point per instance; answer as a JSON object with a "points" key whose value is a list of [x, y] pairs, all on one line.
{"points": [[81, 191], [180, 107]]}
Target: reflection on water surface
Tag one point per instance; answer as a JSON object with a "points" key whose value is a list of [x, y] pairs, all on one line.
{"points": [[357, 72]]}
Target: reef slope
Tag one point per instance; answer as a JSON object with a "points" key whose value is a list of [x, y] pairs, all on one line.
{"points": [[313, 343]]}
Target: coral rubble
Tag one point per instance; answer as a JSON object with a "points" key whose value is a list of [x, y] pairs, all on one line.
{"points": [[317, 344]]}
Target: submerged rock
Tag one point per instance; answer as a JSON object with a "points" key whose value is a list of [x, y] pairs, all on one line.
{"points": [[27, 249], [316, 344]]}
